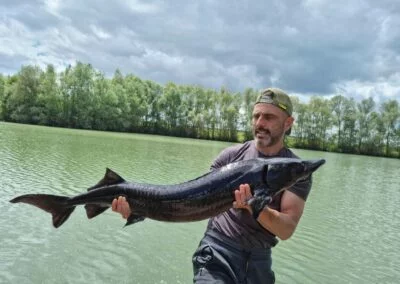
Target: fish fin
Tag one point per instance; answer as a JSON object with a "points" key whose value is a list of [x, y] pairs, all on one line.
{"points": [[134, 218], [92, 210], [259, 201], [109, 178], [54, 204]]}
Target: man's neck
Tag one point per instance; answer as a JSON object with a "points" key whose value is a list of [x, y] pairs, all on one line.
{"points": [[271, 150]]}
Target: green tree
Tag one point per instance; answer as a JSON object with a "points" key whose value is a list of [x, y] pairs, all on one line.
{"points": [[151, 120], [390, 119], [228, 114], [81, 96], [365, 119], [376, 135], [319, 123], [302, 117], [207, 117], [102, 107], [9, 91], [65, 86], [337, 104], [170, 105], [249, 97], [136, 93], [49, 98], [349, 117], [397, 141], [119, 100], [195, 109], [23, 101], [188, 111], [2, 95], [77, 91]]}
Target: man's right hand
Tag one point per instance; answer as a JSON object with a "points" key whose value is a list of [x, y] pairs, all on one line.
{"points": [[242, 196], [121, 206]]}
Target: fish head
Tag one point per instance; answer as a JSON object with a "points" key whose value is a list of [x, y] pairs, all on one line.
{"points": [[283, 173]]}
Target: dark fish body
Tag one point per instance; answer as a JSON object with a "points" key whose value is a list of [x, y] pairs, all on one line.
{"points": [[194, 200]]}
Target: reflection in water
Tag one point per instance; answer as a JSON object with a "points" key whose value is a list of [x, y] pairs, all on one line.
{"points": [[349, 232]]}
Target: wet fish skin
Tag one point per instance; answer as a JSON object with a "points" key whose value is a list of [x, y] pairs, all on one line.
{"points": [[194, 200]]}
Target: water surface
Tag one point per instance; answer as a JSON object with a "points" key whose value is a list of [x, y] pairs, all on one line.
{"points": [[349, 232]]}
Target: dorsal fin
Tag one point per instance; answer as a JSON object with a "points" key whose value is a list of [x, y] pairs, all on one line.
{"points": [[109, 178]]}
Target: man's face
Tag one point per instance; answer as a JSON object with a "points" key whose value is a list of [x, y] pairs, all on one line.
{"points": [[269, 124]]}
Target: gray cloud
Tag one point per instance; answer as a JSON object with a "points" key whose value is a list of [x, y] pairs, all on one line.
{"points": [[311, 47]]}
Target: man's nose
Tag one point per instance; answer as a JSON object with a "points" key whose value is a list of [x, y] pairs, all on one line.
{"points": [[260, 121]]}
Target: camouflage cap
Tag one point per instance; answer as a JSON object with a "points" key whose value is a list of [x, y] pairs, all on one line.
{"points": [[276, 97]]}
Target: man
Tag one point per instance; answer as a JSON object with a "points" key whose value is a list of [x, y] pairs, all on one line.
{"points": [[236, 248]]}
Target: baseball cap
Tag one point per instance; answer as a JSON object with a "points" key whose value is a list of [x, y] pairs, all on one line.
{"points": [[276, 97]]}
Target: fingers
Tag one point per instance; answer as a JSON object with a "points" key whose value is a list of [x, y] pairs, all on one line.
{"points": [[237, 201], [242, 195], [122, 206], [247, 192], [114, 205]]}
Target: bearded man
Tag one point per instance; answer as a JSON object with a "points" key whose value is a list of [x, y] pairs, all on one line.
{"points": [[236, 248]]}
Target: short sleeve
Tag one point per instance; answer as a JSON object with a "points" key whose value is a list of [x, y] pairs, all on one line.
{"points": [[302, 188], [222, 159]]}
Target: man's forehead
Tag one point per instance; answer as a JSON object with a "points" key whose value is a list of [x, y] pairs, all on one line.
{"points": [[267, 109]]}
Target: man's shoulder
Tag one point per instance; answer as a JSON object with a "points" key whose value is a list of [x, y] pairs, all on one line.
{"points": [[287, 153], [239, 148], [232, 154]]}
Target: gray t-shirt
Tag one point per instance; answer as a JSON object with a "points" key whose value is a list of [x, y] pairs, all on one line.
{"points": [[238, 224]]}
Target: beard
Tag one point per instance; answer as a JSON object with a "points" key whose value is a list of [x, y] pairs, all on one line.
{"points": [[265, 138]]}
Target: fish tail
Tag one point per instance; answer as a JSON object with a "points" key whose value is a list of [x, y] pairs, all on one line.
{"points": [[54, 204]]}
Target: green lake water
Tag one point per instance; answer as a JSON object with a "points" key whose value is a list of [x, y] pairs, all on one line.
{"points": [[349, 233]]}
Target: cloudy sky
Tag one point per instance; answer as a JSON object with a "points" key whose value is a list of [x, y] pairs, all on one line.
{"points": [[309, 47]]}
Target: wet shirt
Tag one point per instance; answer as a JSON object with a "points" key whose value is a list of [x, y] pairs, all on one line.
{"points": [[239, 224]]}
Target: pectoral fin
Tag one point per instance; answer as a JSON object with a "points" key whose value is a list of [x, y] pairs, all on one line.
{"points": [[134, 218], [92, 210]]}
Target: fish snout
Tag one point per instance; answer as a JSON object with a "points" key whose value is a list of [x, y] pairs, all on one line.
{"points": [[312, 165]]}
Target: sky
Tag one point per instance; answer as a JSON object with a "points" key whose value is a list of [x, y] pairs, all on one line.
{"points": [[308, 48]]}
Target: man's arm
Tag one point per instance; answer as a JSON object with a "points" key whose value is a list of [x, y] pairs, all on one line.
{"points": [[283, 223]]}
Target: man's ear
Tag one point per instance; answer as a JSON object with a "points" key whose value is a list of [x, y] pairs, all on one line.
{"points": [[288, 122]]}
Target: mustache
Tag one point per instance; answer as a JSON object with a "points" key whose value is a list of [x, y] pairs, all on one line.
{"points": [[261, 129]]}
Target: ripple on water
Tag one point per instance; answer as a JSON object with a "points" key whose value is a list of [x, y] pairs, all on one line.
{"points": [[348, 234]]}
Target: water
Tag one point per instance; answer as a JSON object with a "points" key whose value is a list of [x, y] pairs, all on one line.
{"points": [[349, 232]]}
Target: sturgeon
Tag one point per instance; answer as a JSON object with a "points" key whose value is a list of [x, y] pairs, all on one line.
{"points": [[194, 200]]}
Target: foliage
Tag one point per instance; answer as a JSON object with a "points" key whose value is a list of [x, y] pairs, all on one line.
{"points": [[82, 97]]}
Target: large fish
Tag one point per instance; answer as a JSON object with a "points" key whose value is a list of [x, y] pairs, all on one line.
{"points": [[198, 199]]}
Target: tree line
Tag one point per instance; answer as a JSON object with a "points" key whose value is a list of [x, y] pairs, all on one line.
{"points": [[82, 97]]}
